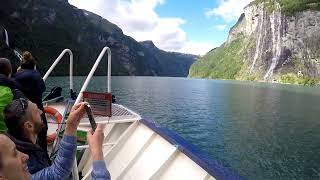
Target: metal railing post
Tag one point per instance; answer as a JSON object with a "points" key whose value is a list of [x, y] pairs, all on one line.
{"points": [[93, 69], [84, 87], [57, 61]]}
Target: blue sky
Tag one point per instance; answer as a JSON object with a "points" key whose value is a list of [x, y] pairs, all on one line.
{"points": [[197, 25], [188, 26]]}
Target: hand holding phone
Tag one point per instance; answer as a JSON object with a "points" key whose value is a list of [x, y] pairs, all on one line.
{"points": [[90, 116]]}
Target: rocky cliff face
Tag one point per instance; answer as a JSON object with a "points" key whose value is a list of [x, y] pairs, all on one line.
{"points": [[47, 27], [175, 64], [273, 45]]}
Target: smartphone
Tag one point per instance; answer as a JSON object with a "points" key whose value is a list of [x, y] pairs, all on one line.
{"points": [[90, 116]]}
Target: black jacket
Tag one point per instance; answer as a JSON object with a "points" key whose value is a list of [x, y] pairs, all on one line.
{"points": [[14, 86], [5, 81], [38, 158], [32, 85]]}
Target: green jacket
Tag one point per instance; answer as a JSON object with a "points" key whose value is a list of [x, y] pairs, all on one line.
{"points": [[6, 97]]}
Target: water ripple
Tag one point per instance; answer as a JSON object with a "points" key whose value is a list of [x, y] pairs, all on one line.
{"points": [[262, 131]]}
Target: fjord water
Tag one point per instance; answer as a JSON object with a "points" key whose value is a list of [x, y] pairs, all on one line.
{"points": [[260, 130]]}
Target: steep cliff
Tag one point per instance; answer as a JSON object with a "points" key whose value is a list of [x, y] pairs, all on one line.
{"points": [[274, 40], [175, 64], [47, 27]]}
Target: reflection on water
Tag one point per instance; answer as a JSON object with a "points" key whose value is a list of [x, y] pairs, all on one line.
{"points": [[262, 131]]}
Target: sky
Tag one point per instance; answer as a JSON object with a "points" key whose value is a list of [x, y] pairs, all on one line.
{"points": [[187, 26]]}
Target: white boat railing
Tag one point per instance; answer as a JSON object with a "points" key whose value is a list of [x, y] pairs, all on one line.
{"points": [[7, 41], [7, 37], [84, 87], [87, 146], [18, 54], [89, 77], [70, 69]]}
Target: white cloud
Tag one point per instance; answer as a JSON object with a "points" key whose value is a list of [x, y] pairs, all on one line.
{"points": [[221, 27], [197, 48], [138, 19], [229, 10]]}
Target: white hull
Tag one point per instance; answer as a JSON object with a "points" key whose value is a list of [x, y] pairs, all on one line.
{"points": [[139, 153], [134, 151]]}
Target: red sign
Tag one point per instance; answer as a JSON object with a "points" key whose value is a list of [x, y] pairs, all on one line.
{"points": [[100, 103]]}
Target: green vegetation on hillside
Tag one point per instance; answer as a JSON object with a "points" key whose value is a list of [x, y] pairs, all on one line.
{"points": [[292, 78], [233, 60], [290, 7], [224, 62]]}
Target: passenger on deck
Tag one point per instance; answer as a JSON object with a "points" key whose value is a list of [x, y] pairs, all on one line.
{"points": [[8, 89], [33, 87], [13, 163], [22, 118]]}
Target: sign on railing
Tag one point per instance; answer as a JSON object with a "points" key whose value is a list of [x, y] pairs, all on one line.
{"points": [[100, 103]]}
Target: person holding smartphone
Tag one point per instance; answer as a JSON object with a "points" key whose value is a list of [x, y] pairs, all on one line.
{"points": [[13, 163]]}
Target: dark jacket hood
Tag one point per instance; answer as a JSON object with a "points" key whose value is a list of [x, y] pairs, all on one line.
{"points": [[15, 87], [5, 81], [24, 145]]}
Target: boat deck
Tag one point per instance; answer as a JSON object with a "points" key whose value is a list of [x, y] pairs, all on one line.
{"points": [[135, 148], [120, 114]]}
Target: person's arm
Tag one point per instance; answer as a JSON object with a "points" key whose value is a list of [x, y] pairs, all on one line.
{"points": [[62, 165], [95, 140], [99, 171]]}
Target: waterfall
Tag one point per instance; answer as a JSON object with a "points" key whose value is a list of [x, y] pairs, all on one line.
{"points": [[276, 26], [258, 43], [7, 37]]}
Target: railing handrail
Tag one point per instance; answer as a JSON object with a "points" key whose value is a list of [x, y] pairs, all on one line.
{"points": [[7, 37], [57, 61], [84, 87], [93, 69]]}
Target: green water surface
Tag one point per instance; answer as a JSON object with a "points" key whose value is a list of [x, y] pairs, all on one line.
{"points": [[261, 131]]}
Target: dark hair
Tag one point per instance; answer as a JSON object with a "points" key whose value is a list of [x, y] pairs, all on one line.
{"points": [[14, 117], [5, 66], [28, 62]]}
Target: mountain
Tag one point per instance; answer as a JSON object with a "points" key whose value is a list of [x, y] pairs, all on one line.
{"points": [[175, 64], [273, 41], [47, 27]]}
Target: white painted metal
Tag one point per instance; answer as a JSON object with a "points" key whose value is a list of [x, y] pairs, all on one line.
{"points": [[157, 153], [164, 165], [134, 151], [142, 154], [7, 37], [183, 167], [120, 140], [87, 146], [116, 118], [136, 157], [93, 69], [57, 61], [18, 54], [105, 120]]}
